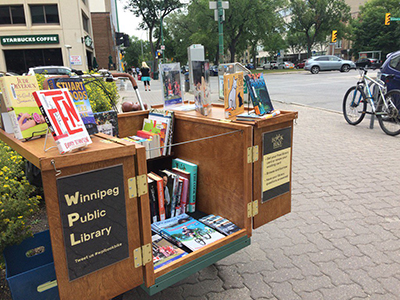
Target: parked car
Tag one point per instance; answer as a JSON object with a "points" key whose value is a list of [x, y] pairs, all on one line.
{"points": [[269, 65], [287, 65], [372, 63], [301, 64], [50, 70], [184, 69], [391, 66], [328, 63], [214, 70], [2, 73]]}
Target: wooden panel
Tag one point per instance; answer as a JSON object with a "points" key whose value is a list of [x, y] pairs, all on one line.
{"points": [[111, 280], [130, 122], [281, 204]]}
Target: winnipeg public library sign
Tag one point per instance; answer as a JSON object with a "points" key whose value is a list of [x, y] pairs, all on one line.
{"points": [[93, 215], [30, 39]]}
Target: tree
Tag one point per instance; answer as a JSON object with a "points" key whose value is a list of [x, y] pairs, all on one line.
{"points": [[317, 18], [370, 22], [152, 12], [133, 54]]}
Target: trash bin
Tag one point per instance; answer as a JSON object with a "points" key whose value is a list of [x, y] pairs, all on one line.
{"points": [[187, 82], [155, 75]]}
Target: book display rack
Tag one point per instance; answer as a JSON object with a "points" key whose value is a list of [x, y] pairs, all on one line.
{"points": [[244, 175]]}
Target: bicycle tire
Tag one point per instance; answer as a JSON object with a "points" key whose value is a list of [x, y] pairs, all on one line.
{"points": [[389, 118], [354, 107]]}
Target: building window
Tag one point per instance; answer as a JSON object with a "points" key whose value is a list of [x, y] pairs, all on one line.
{"points": [[12, 14], [44, 14], [85, 21]]}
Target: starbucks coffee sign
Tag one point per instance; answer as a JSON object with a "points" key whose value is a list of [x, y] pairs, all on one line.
{"points": [[30, 39]]}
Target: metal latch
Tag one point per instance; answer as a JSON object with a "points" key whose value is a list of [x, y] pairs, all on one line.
{"points": [[252, 154], [252, 209], [143, 255], [137, 186]]}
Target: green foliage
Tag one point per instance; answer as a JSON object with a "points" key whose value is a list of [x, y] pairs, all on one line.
{"points": [[370, 22], [18, 200], [133, 54]]}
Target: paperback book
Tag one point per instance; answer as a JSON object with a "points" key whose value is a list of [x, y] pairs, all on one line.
{"points": [[79, 94], [160, 195], [258, 93], [63, 119], [152, 184], [190, 232], [183, 167], [107, 122], [159, 128], [171, 192], [202, 98], [219, 223], [20, 113], [164, 252], [233, 94], [167, 117], [171, 82]]}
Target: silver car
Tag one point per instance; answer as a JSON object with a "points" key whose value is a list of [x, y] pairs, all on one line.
{"points": [[328, 63]]}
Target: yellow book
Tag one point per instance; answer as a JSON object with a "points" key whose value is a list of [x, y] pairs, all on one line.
{"points": [[233, 94]]}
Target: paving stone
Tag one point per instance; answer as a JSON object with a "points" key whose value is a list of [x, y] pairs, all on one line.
{"points": [[337, 233], [326, 255], [279, 259], [255, 252], [230, 276], [378, 257], [368, 284], [390, 245], [363, 239], [211, 272], [194, 298], [391, 284], [284, 291], [386, 296], [346, 248], [383, 270], [256, 266], [311, 284], [355, 263], [307, 267], [344, 292], [282, 275], [295, 236], [257, 287], [199, 289], [232, 294], [311, 296], [300, 249], [318, 240], [238, 257]]}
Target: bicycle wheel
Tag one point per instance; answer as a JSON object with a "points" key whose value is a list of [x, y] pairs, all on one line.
{"points": [[354, 105], [388, 114]]}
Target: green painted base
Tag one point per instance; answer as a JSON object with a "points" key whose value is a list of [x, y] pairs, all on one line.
{"points": [[196, 265]]}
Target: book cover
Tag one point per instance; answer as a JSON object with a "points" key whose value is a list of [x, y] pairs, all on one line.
{"points": [[141, 141], [78, 92], [258, 93], [171, 83], [24, 114], [164, 116], [192, 169], [107, 122], [184, 192], [159, 128], [202, 98], [219, 223], [63, 119], [178, 206], [233, 94], [192, 233], [154, 142], [6, 124], [164, 252], [249, 116], [171, 192], [160, 194], [153, 199]]}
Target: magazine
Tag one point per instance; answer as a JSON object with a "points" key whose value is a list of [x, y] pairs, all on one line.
{"points": [[171, 82], [202, 98], [219, 223], [164, 252], [259, 93], [107, 122]]}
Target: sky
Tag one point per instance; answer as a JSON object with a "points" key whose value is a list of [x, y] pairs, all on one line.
{"points": [[128, 23]]}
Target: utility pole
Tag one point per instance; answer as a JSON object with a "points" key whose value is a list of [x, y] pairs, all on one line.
{"points": [[219, 16]]}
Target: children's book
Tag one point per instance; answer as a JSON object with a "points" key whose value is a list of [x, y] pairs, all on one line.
{"points": [[78, 92], [154, 142], [191, 233], [167, 117], [201, 87], [219, 223], [159, 128], [233, 94], [160, 194], [192, 169], [259, 93], [63, 119], [171, 82], [153, 199], [164, 252], [20, 109], [107, 122]]}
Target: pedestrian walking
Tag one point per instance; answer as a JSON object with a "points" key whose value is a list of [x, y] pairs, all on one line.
{"points": [[145, 70]]}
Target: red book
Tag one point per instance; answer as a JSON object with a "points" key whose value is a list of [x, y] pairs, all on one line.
{"points": [[184, 175], [160, 194]]}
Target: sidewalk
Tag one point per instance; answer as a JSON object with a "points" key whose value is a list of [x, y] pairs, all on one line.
{"points": [[342, 238]]}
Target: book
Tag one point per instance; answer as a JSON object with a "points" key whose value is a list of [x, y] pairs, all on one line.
{"points": [[20, 108], [153, 199], [6, 124], [164, 252], [141, 141], [184, 193], [219, 223], [171, 83], [249, 116], [167, 117], [233, 94], [154, 142], [202, 98], [157, 227], [63, 119], [159, 128], [79, 94], [178, 205], [171, 192], [258, 93], [160, 194], [191, 232], [107, 122], [192, 169]]}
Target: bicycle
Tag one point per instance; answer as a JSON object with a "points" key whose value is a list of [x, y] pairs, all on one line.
{"points": [[370, 91]]}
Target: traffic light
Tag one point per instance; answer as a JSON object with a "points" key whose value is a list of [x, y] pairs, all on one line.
{"points": [[158, 54], [126, 40], [334, 36], [387, 19], [119, 38]]}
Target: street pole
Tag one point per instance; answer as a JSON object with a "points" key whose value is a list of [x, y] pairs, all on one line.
{"points": [[162, 40], [220, 32]]}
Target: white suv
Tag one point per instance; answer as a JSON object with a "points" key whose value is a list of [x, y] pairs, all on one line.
{"points": [[50, 70]]}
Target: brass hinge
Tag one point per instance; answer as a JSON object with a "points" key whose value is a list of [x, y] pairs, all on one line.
{"points": [[252, 209], [137, 186], [252, 154], [143, 255]]}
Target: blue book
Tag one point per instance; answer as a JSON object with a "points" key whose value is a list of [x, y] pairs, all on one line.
{"points": [[191, 168]]}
